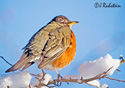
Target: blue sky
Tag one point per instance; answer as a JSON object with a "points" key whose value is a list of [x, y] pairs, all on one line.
{"points": [[100, 31]]}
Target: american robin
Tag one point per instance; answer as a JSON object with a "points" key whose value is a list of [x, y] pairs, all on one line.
{"points": [[52, 47]]}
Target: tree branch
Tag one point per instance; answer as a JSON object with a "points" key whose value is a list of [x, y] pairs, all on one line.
{"points": [[122, 61], [114, 79], [6, 61], [58, 82]]}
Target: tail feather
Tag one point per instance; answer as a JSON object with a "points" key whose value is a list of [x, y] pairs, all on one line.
{"points": [[24, 59], [27, 65]]}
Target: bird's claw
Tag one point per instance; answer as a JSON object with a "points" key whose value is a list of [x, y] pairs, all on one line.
{"points": [[59, 76]]}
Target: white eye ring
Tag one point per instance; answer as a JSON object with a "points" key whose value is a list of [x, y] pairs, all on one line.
{"points": [[66, 21], [62, 21]]}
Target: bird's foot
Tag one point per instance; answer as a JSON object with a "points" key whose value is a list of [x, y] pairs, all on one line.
{"points": [[58, 83], [59, 76], [43, 74]]}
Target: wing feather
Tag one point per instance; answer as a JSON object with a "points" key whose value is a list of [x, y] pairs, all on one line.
{"points": [[56, 45]]}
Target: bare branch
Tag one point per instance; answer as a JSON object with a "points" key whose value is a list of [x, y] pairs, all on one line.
{"points": [[122, 61], [29, 86], [115, 79], [6, 61]]}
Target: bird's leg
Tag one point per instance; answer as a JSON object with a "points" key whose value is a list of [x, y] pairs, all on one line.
{"points": [[59, 76], [43, 74]]}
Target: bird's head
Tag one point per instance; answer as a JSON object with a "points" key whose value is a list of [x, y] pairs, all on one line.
{"points": [[64, 21]]}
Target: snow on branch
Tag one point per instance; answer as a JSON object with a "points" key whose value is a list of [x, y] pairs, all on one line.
{"points": [[92, 68], [89, 73], [15, 80]]}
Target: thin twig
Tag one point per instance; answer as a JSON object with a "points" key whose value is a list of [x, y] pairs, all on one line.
{"points": [[122, 61], [29, 86], [6, 61], [114, 79], [118, 70]]}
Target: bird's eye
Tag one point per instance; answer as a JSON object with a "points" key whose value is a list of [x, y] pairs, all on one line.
{"points": [[62, 21], [59, 20], [66, 21]]}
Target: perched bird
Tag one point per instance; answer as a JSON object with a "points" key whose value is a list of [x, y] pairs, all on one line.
{"points": [[52, 47]]}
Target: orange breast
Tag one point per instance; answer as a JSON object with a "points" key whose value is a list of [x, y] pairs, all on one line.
{"points": [[68, 56]]}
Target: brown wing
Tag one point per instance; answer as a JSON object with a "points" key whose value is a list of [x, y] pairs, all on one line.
{"points": [[58, 42], [50, 44], [31, 50]]}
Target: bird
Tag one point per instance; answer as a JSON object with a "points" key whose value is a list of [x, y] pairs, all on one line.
{"points": [[52, 47]]}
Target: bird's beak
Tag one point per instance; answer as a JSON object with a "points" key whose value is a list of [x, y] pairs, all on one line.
{"points": [[72, 23]]}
